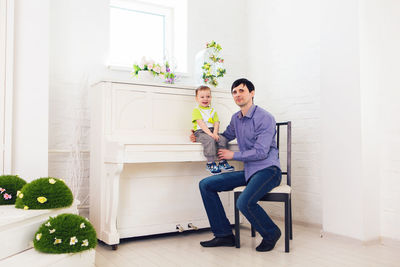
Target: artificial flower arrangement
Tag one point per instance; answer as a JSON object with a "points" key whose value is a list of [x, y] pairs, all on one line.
{"points": [[65, 233], [155, 69], [44, 193], [9, 186], [213, 65]]}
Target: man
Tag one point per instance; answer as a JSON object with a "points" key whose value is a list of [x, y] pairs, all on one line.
{"points": [[254, 129]]}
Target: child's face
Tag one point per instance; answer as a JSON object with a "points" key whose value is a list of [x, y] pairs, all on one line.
{"points": [[203, 98]]}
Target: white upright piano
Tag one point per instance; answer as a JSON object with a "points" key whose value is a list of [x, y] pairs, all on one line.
{"points": [[144, 171]]}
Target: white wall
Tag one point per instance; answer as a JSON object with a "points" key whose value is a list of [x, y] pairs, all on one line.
{"points": [[358, 67], [283, 63], [370, 28], [389, 128], [341, 118], [31, 87], [225, 22]]}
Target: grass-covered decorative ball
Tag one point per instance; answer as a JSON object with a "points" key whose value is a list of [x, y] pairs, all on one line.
{"points": [[10, 185], [66, 233], [44, 193]]}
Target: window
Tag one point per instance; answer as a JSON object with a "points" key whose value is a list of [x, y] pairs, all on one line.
{"points": [[152, 28]]}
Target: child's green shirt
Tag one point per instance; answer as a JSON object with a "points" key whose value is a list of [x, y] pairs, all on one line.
{"points": [[208, 115]]}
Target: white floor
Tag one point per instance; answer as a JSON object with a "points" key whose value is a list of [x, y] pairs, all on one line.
{"points": [[307, 249]]}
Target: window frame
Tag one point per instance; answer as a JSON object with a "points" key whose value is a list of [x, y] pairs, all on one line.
{"points": [[175, 26]]}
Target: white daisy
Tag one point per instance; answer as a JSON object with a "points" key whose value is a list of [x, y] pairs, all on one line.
{"points": [[38, 236], [73, 240], [85, 243]]}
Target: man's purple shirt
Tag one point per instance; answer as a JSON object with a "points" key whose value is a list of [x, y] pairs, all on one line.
{"points": [[255, 134]]}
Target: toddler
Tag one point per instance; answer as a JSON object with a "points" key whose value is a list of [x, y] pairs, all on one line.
{"points": [[205, 126]]}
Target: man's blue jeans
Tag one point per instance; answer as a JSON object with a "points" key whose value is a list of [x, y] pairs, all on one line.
{"points": [[260, 183]]}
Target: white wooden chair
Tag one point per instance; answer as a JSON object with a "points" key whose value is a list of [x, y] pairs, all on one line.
{"points": [[281, 193]]}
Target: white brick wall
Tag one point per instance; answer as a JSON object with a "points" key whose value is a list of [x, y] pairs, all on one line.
{"points": [[284, 66], [69, 133]]}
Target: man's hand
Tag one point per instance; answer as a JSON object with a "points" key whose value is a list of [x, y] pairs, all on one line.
{"points": [[225, 154], [192, 137]]}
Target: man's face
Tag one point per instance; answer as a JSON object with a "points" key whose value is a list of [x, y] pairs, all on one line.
{"points": [[203, 98], [242, 96]]}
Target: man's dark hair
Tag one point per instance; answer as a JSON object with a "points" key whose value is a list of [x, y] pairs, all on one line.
{"points": [[243, 81]]}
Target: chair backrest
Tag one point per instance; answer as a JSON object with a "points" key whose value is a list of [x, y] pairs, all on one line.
{"points": [[288, 126]]}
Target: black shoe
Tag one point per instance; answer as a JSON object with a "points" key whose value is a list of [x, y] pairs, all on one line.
{"points": [[226, 241], [268, 244]]}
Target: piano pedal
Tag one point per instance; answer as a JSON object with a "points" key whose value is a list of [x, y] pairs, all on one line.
{"points": [[192, 226], [179, 228]]}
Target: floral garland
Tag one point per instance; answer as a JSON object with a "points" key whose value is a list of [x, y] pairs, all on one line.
{"points": [[212, 67], [155, 68]]}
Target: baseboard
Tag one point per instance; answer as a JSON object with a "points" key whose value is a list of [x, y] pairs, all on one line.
{"points": [[386, 241], [390, 242]]}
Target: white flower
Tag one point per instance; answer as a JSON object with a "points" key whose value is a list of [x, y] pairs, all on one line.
{"points": [[52, 181], [18, 192], [38, 236], [21, 195], [57, 241], [157, 69], [48, 224], [73, 241], [150, 66], [82, 225], [163, 68], [52, 231], [26, 207], [85, 243]]}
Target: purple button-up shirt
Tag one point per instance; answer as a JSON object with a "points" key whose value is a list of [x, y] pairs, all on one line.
{"points": [[255, 134]]}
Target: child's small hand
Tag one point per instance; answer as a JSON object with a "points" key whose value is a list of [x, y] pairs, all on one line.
{"points": [[216, 137], [212, 136]]}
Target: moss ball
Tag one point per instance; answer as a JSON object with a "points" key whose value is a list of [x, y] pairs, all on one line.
{"points": [[44, 193], [66, 233], [9, 186]]}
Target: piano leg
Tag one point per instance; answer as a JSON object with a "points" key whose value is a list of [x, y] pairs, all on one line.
{"points": [[110, 233]]}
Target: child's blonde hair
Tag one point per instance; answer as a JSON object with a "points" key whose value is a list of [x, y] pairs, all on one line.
{"points": [[202, 88]]}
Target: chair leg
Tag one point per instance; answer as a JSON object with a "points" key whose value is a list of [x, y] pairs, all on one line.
{"points": [[291, 218], [287, 226], [237, 221], [253, 232]]}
